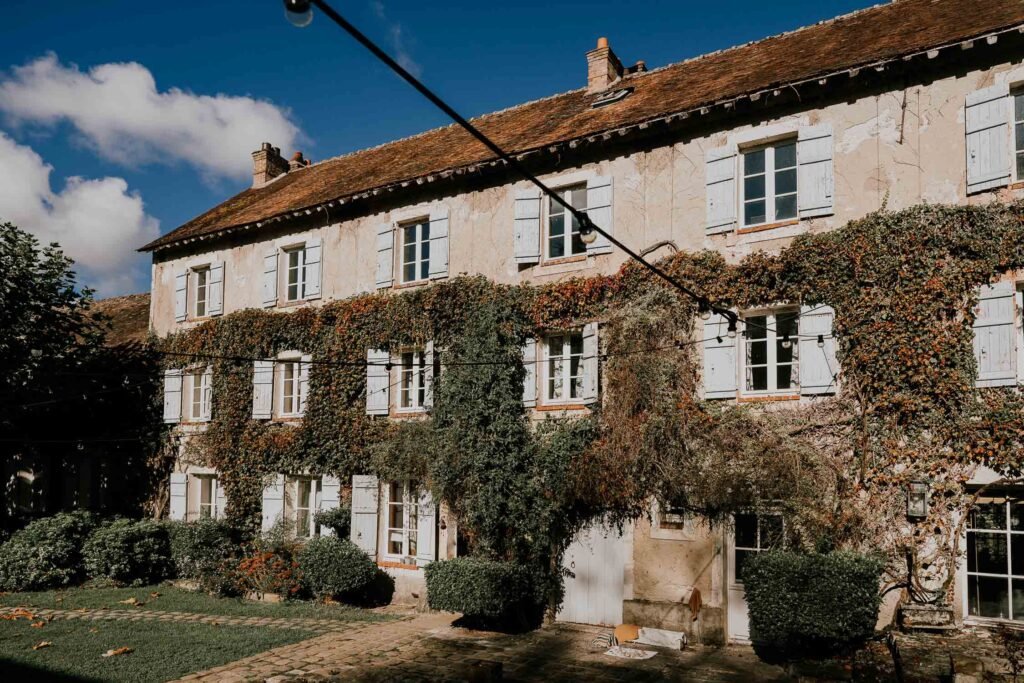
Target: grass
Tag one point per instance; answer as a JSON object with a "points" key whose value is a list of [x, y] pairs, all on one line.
{"points": [[162, 650], [172, 599]]}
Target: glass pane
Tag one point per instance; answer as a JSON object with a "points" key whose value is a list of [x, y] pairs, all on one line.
{"points": [[409, 236], [1020, 136], [412, 543], [1017, 516], [757, 327], [758, 379], [556, 226], [785, 207], [758, 352], [990, 515], [784, 349], [409, 252], [785, 181], [409, 272], [784, 377], [753, 162], [987, 597], [425, 263], [578, 246], [579, 198], [304, 494], [753, 188], [1017, 555], [1018, 600], [746, 530], [576, 344], [302, 526], [741, 558], [785, 156], [754, 212], [576, 389], [771, 531], [206, 491], [986, 553], [424, 232], [395, 539], [554, 208], [1018, 107], [1020, 165]]}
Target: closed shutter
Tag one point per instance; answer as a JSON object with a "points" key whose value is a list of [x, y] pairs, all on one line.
{"points": [[312, 267], [527, 225], [530, 378], [989, 154], [819, 368], [720, 167], [330, 498], [273, 502], [172, 396], [378, 382], [262, 389], [180, 296], [220, 498], [995, 348], [590, 364], [270, 279], [599, 209], [719, 359], [815, 178], [426, 528], [304, 366], [439, 243], [207, 404], [216, 289], [365, 492], [428, 375], [179, 496], [385, 256]]}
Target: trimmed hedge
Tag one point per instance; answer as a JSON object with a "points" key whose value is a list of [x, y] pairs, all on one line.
{"points": [[330, 567], [338, 520], [131, 552], [200, 548], [46, 554], [811, 604], [490, 591]]}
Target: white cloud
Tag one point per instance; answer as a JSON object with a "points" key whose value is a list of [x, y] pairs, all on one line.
{"points": [[396, 37], [99, 223], [118, 111]]}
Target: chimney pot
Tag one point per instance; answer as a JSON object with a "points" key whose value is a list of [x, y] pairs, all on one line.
{"points": [[602, 42], [297, 162], [603, 67], [267, 164]]}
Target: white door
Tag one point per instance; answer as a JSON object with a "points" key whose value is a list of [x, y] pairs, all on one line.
{"points": [[750, 534], [593, 595]]}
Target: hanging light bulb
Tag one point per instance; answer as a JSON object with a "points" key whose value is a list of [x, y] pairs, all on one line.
{"points": [[786, 341], [821, 341], [298, 12], [704, 309], [731, 332], [587, 232]]}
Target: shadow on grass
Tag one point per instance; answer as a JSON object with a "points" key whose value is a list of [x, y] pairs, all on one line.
{"points": [[12, 671]]}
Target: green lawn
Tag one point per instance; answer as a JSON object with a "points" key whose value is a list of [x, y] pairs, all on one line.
{"points": [[177, 600], [162, 650]]}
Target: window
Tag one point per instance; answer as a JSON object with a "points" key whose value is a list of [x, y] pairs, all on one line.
{"points": [[754, 534], [563, 237], [413, 380], [199, 394], [207, 496], [563, 368], [403, 518], [415, 251], [290, 399], [1018, 135], [770, 350], [201, 277], [995, 559], [301, 505], [295, 273], [671, 517], [769, 183]]}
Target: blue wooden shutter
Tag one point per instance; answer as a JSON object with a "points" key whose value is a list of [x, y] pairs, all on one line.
{"points": [[815, 175], [819, 368], [378, 382], [428, 375], [220, 498], [304, 365], [363, 531], [262, 389], [719, 359], [426, 528], [180, 296], [385, 255], [273, 502], [590, 364], [989, 155], [530, 379], [599, 209], [216, 289], [330, 498], [270, 279], [207, 403], [313, 267], [720, 169], [439, 243], [172, 396], [179, 496], [995, 336], [527, 226]]}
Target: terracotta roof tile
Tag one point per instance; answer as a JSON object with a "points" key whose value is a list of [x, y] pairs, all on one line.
{"points": [[861, 38], [128, 316]]}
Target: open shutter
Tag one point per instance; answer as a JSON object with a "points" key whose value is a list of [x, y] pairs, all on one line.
{"points": [[527, 228], [313, 268], [273, 502], [720, 167], [819, 368], [426, 529], [180, 296], [378, 382], [719, 359], [995, 348], [270, 279], [172, 396], [599, 209], [207, 403], [330, 498], [439, 242], [385, 255], [814, 176], [304, 365], [590, 364], [262, 389], [220, 498], [530, 378], [989, 155], [179, 496], [363, 532], [428, 375], [216, 289]]}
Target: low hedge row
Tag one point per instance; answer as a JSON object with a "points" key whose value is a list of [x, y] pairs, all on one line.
{"points": [[489, 592]]}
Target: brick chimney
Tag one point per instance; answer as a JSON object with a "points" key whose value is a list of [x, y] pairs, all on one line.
{"points": [[297, 162], [267, 164], [603, 67]]}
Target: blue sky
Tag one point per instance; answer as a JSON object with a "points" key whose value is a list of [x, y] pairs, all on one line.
{"points": [[121, 120]]}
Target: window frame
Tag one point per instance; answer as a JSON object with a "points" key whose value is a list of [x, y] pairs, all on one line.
{"points": [[299, 270], [207, 482], [1017, 142], [566, 357], [296, 514], [683, 528], [199, 278], [416, 390], [771, 363], [205, 388], [770, 197], [408, 533], [734, 576], [552, 209], [1007, 499], [280, 365], [421, 248]]}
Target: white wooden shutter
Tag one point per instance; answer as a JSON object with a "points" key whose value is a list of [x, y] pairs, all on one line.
{"points": [[989, 155], [363, 531], [814, 175], [378, 382], [273, 502], [995, 348], [439, 242], [330, 498], [207, 404], [220, 498], [216, 289], [599, 209], [426, 528], [719, 359], [304, 382], [172, 396], [720, 167], [428, 375], [590, 364], [527, 225], [313, 267], [385, 255], [819, 368], [530, 379], [179, 496], [180, 296], [262, 389], [270, 279]]}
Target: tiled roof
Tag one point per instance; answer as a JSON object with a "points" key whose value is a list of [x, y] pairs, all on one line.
{"points": [[128, 316], [863, 38]]}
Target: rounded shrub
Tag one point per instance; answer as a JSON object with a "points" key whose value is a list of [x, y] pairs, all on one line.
{"points": [[338, 520], [331, 567], [490, 592], [811, 604], [46, 554], [200, 548], [130, 552]]}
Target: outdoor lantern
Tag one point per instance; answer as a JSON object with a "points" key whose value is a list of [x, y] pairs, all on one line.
{"points": [[917, 500], [587, 232], [299, 12]]}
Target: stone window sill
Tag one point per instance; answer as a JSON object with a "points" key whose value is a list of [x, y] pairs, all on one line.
{"points": [[767, 226]]}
